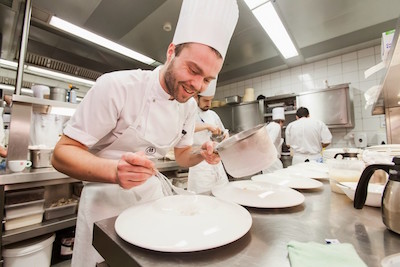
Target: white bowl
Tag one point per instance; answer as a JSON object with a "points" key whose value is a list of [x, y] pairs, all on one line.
{"points": [[374, 195]]}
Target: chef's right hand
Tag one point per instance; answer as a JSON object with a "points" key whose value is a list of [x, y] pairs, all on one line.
{"points": [[134, 169], [214, 129]]}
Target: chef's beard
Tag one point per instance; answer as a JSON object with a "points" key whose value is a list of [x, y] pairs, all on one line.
{"points": [[173, 85], [205, 108]]}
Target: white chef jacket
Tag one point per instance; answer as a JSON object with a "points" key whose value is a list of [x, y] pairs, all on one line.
{"points": [[305, 135], [123, 102], [204, 176], [113, 103], [275, 133]]}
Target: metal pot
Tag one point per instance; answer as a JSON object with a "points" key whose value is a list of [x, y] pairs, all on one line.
{"points": [[41, 157], [59, 94], [247, 152]]}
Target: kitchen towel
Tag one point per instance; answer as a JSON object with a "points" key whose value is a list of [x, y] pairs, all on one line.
{"points": [[313, 254]]}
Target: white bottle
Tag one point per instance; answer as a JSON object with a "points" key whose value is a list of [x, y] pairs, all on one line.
{"points": [[72, 96]]}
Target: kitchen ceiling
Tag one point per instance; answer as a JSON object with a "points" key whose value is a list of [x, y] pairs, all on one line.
{"points": [[320, 29]]}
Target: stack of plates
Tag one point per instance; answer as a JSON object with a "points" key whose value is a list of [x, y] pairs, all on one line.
{"points": [[392, 150]]}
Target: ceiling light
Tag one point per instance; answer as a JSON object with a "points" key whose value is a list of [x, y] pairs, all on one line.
{"points": [[94, 38], [266, 14], [59, 75]]}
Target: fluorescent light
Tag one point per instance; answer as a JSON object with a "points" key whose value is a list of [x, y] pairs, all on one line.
{"points": [[272, 24], [7, 63], [94, 38], [61, 76]]}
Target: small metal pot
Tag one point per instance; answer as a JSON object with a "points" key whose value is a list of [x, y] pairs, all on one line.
{"points": [[247, 152], [41, 157], [59, 94]]}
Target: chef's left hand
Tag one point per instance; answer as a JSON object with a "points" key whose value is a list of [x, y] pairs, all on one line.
{"points": [[207, 152]]}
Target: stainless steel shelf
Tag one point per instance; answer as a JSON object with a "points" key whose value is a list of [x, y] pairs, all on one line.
{"points": [[43, 102], [31, 231], [289, 112]]}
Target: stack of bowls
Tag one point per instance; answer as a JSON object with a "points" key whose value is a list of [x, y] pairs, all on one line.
{"points": [[248, 95]]}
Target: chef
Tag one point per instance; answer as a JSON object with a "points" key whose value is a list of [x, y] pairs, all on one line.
{"points": [[274, 129], [306, 137], [203, 176], [130, 117]]}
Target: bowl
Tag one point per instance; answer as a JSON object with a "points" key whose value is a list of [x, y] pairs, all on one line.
{"points": [[374, 195]]}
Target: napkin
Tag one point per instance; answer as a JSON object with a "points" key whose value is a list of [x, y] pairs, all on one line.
{"points": [[313, 254]]}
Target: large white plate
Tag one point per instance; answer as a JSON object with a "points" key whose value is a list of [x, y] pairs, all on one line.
{"points": [[258, 194], [289, 180], [183, 223], [303, 170]]}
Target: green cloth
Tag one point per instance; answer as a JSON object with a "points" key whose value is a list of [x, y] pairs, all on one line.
{"points": [[313, 254]]}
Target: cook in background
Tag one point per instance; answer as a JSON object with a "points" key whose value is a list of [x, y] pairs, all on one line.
{"points": [[203, 176], [3, 133], [306, 137], [274, 129], [130, 116]]}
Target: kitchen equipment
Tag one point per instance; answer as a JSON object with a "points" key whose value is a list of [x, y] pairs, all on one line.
{"points": [[291, 180], [347, 156], [391, 194], [341, 170], [59, 94], [40, 91], [248, 95], [235, 99], [18, 165], [41, 157], [247, 152]]}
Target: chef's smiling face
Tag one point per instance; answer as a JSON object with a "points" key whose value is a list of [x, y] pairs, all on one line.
{"points": [[191, 71]]}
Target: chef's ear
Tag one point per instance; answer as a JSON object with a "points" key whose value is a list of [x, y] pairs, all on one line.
{"points": [[170, 52]]}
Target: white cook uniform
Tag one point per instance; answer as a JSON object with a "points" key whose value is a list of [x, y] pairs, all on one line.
{"points": [[204, 176], [274, 132], [305, 136], [124, 111]]}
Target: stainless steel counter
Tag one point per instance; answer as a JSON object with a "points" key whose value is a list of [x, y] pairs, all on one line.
{"points": [[323, 215]]}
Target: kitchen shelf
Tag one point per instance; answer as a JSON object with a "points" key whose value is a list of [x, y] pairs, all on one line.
{"points": [[31, 231], [43, 102]]}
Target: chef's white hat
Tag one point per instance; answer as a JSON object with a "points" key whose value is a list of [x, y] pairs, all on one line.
{"points": [[210, 91], [209, 22], [278, 114]]}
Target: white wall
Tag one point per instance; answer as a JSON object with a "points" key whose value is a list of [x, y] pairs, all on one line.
{"points": [[347, 68]]}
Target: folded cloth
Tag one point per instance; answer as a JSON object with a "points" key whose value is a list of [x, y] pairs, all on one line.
{"points": [[313, 254]]}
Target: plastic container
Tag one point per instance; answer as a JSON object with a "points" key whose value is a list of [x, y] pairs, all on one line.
{"points": [[31, 252], [24, 195], [21, 209], [22, 221], [341, 170], [60, 211], [63, 245]]}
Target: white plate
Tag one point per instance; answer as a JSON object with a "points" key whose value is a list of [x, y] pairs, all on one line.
{"points": [[183, 223], [306, 172], [391, 260], [258, 194], [289, 180]]}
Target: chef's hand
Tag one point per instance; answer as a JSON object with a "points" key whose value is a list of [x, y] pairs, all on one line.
{"points": [[214, 129], [134, 169], [207, 152]]}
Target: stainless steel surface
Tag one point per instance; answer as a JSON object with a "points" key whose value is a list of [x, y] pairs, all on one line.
{"points": [[392, 116], [391, 206], [18, 141], [42, 102], [247, 152], [241, 117], [23, 46], [333, 106], [58, 94], [322, 215]]}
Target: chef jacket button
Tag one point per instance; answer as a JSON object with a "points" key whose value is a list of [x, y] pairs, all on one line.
{"points": [[154, 100]]}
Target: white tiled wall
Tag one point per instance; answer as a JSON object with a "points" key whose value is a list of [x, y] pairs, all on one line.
{"points": [[347, 68]]}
